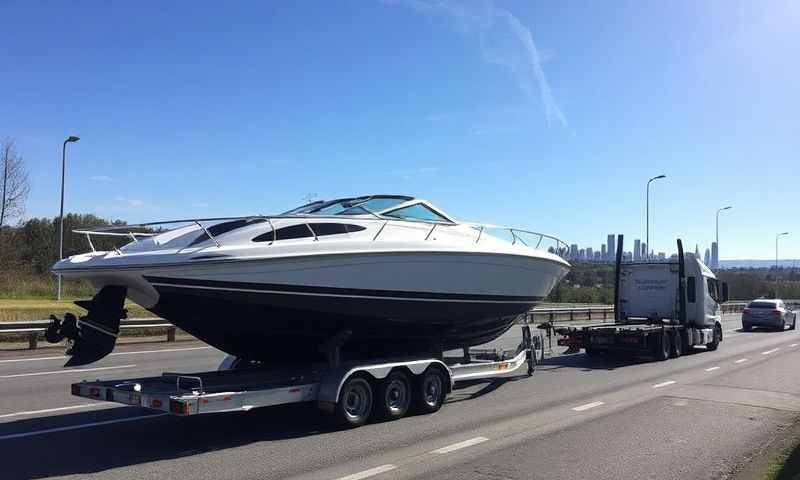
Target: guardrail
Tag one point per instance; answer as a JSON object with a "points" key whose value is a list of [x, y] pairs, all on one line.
{"points": [[34, 329]]}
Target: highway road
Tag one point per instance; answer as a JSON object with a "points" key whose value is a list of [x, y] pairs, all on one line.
{"points": [[698, 416]]}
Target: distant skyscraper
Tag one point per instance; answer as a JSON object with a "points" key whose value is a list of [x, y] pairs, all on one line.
{"points": [[696, 251], [644, 251], [589, 254], [714, 255], [603, 252], [662, 256], [582, 254], [598, 256], [573, 251], [707, 257], [611, 250], [637, 250]]}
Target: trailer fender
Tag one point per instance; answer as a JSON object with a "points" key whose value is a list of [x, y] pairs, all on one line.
{"points": [[331, 383]]}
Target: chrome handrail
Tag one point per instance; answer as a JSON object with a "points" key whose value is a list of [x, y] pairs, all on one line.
{"points": [[561, 248]]}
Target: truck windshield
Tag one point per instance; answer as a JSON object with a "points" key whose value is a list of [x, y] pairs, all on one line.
{"points": [[712, 289]]}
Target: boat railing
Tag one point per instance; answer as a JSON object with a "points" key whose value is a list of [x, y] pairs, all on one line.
{"points": [[152, 229]]}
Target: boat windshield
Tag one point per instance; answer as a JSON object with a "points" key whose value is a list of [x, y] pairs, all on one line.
{"points": [[350, 206]]}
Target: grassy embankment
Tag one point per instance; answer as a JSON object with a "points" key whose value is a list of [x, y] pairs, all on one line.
{"points": [[33, 298]]}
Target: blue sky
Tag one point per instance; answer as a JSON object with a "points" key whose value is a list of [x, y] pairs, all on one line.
{"points": [[545, 115]]}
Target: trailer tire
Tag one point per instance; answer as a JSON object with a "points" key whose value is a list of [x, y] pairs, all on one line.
{"points": [[394, 396], [355, 402], [717, 338], [662, 346], [676, 344], [429, 390]]}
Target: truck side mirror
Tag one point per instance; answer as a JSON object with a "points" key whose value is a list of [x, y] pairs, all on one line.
{"points": [[724, 292]]}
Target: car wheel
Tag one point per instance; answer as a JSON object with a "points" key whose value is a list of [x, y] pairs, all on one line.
{"points": [[746, 327]]}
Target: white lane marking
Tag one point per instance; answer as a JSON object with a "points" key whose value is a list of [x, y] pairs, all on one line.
{"points": [[770, 351], [66, 370], [581, 408], [663, 384], [77, 427], [49, 410], [793, 345], [741, 360], [369, 473], [64, 357], [460, 445], [711, 369]]}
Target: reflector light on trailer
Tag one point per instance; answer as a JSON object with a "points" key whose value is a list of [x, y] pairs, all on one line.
{"points": [[178, 408], [94, 392], [155, 403]]}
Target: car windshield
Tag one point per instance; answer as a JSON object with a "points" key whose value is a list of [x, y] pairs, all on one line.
{"points": [[762, 305]]}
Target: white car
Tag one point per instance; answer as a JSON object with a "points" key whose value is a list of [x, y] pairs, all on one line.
{"points": [[771, 313]]}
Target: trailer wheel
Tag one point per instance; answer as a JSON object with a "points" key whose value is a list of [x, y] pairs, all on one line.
{"points": [[429, 391], [717, 338], [677, 344], [394, 395], [661, 347], [355, 402]]}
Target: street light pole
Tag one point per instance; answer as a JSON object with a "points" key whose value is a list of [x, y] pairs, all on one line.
{"points": [[721, 209], [647, 234], [70, 139], [776, 260]]}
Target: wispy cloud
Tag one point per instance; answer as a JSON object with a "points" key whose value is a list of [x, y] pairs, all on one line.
{"points": [[101, 178], [504, 41]]}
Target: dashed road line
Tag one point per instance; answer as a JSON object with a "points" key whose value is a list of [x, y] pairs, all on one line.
{"points": [[64, 357], [793, 345], [581, 408], [711, 369], [369, 473], [68, 370], [741, 360], [663, 384], [50, 410], [770, 351], [78, 427], [460, 445]]}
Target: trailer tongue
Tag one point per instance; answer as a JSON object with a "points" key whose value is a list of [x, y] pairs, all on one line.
{"points": [[661, 309]]}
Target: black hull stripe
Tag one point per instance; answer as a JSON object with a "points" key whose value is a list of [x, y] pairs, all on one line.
{"points": [[336, 292]]}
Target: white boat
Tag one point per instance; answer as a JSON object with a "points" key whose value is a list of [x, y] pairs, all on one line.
{"points": [[376, 275]]}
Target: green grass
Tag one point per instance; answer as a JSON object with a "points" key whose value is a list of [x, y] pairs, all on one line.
{"points": [[40, 309], [785, 466]]}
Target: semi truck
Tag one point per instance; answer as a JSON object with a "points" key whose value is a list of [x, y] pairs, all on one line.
{"points": [[661, 309]]}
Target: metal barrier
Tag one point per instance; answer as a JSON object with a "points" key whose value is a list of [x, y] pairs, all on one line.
{"points": [[33, 329]]}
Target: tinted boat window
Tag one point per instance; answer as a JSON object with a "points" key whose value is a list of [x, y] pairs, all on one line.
{"points": [[225, 227], [302, 231]]}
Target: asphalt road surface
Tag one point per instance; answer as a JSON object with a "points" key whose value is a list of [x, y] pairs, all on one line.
{"points": [[698, 416]]}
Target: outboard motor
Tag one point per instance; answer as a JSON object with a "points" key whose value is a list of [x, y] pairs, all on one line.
{"points": [[93, 336]]}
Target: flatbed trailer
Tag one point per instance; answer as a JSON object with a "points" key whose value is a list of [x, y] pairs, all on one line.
{"points": [[353, 391], [659, 311]]}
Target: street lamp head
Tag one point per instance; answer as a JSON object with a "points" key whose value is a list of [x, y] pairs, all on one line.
{"points": [[660, 176], [727, 208], [784, 233], [73, 138]]}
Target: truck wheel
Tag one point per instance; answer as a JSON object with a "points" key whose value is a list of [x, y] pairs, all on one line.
{"points": [[394, 395], [429, 391], [794, 323], [676, 344], [783, 325], [661, 347], [355, 402], [717, 338]]}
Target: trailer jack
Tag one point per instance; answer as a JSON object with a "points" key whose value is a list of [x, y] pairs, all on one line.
{"points": [[93, 336]]}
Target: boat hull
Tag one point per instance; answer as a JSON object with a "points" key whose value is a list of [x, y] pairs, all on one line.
{"points": [[280, 309]]}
